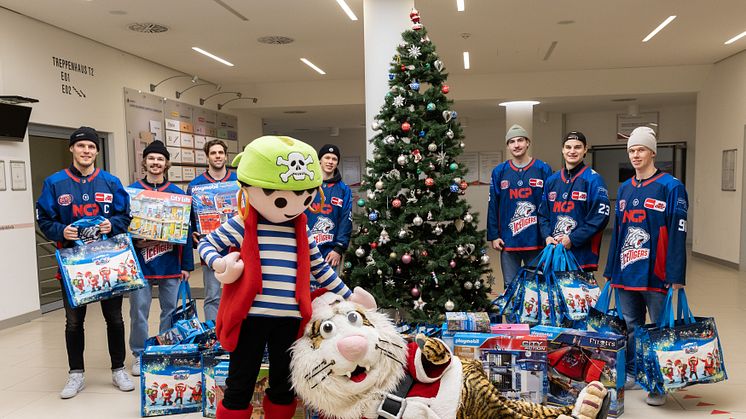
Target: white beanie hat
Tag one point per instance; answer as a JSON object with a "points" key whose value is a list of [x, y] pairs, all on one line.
{"points": [[515, 131], [644, 136]]}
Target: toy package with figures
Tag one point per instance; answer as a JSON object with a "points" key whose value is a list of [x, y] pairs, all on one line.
{"points": [[214, 373], [160, 216], [214, 204], [516, 365], [578, 357], [468, 322], [99, 270], [170, 380]]}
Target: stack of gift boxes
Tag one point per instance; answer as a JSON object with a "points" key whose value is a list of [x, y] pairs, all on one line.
{"points": [[541, 364]]}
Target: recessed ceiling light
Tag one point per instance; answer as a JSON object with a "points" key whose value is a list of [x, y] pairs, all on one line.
{"points": [[460, 5], [313, 66], [467, 63], [624, 99], [347, 9], [565, 22], [213, 56], [275, 40], [735, 38], [117, 12], [658, 29]]}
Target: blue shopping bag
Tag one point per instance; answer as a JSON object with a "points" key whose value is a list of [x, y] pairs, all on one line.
{"points": [[188, 308], [579, 289], [604, 319]]}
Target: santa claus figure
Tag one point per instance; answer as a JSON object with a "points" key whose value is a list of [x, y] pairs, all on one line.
{"points": [[167, 392], [105, 276], [152, 393], [693, 361], [196, 395], [180, 389]]}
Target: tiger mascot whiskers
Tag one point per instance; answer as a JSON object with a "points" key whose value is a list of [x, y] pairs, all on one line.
{"points": [[351, 358]]}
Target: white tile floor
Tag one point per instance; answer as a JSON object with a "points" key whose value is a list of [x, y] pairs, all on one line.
{"points": [[34, 363]]}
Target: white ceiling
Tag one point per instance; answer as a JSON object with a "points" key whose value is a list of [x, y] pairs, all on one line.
{"points": [[505, 36]]}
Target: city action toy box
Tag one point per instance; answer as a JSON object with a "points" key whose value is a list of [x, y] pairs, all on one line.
{"points": [[214, 204], [99, 270], [516, 365], [159, 216], [577, 357], [170, 380]]}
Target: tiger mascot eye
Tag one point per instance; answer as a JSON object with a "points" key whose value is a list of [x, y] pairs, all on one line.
{"points": [[351, 361]]}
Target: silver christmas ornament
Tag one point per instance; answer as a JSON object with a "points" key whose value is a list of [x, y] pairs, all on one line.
{"points": [[371, 195], [401, 160], [457, 180], [468, 285], [449, 305], [468, 217], [375, 125], [379, 185], [417, 221], [402, 233], [379, 272], [432, 147], [389, 140], [461, 250], [461, 144], [360, 252], [477, 284], [485, 259], [449, 134]]}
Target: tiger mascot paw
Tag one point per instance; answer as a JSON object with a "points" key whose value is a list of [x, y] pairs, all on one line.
{"points": [[350, 361]]}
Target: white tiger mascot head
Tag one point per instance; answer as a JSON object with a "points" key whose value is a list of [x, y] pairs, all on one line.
{"points": [[347, 358], [635, 238], [524, 209], [565, 225]]}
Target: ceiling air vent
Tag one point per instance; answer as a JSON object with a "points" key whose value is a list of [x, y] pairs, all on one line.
{"points": [[275, 40], [147, 27], [294, 112]]}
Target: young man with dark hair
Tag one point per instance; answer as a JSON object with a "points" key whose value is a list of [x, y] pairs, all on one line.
{"points": [[79, 191], [648, 246], [575, 207], [515, 194], [163, 264], [217, 171]]}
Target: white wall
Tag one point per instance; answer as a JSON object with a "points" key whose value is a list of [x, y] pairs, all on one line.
{"points": [[721, 115], [27, 48]]}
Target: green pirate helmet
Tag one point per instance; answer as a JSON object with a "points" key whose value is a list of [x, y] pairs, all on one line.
{"points": [[279, 162]]}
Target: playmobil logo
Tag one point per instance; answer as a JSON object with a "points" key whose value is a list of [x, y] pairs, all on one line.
{"points": [[467, 341]]}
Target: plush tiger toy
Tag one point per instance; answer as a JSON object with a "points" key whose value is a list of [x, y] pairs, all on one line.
{"points": [[351, 358]]}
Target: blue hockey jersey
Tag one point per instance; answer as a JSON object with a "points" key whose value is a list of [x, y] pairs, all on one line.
{"points": [[576, 204], [648, 245], [515, 195], [68, 196], [204, 179], [332, 224], [164, 260]]}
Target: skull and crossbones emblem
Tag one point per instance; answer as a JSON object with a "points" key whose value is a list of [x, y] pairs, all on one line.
{"points": [[297, 166]]}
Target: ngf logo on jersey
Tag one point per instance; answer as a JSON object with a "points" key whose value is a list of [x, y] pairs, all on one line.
{"points": [[565, 225], [632, 250], [523, 217]]}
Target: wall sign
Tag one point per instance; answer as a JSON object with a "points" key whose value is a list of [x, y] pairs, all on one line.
{"points": [[70, 74], [626, 123]]}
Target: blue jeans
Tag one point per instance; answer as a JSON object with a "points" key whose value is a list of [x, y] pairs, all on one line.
{"points": [[140, 299], [212, 293], [635, 304], [511, 263]]}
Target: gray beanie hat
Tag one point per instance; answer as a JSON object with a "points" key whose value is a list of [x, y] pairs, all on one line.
{"points": [[644, 136], [516, 131]]}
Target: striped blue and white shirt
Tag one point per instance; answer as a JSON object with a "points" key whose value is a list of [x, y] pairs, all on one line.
{"points": [[278, 256]]}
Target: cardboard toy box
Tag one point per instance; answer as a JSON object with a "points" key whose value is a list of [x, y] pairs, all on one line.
{"points": [[214, 373], [214, 204], [159, 216], [171, 380], [468, 322], [577, 357], [516, 365]]}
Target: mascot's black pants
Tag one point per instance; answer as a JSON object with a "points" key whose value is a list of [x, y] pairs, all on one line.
{"points": [[278, 334]]}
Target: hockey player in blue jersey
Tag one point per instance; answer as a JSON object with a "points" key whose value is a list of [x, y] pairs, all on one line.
{"points": [[331, 223], [81, 191], [216, 151], [163, 264], [516, 189], [575, 207], [648, 245]]}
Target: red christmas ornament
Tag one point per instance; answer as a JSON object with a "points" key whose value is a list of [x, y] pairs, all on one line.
{"points": [[406, 127], [463, 185], [396, 203], [403, 68], [373, 245], [453, 264], [445, 89], [429, 182], [423, 253], [415, 16], [415, 292]]}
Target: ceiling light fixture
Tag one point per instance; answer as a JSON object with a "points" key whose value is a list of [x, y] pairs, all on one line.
{"points": [[467, 63], [460, 5], [312, 65], [659, 28], [735, 38], [347, 9], [520, 102], [213, 56]]}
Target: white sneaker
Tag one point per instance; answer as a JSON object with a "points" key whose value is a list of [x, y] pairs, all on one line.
{"points": [[136, 367], [121, 380], [631, 384], [74, 385], [655, 399]]}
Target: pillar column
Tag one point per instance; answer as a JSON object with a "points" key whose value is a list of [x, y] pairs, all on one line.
{"points": [[521, 113]]}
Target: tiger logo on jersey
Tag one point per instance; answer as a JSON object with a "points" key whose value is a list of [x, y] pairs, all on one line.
{"points": [[523, 217], [632, 250], [565, 225], [321, 229]]}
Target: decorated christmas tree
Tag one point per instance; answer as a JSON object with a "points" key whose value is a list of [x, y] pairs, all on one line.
{"points": [[417, 246]]}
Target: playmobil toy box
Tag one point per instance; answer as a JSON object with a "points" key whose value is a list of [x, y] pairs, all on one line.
{"points": [[159, 216], [577, 357], [468, 322], [99, 270], [214, 204], [214, 373], [516, 365], [170, 380], [509, 329]]}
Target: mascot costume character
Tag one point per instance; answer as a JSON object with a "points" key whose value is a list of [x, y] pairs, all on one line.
{"points": [[351, 363], [267, 283]]}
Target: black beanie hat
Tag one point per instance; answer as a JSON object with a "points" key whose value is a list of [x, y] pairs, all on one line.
{"points": [[156, 147], [574, 135], [329, 148], [85, 134]]}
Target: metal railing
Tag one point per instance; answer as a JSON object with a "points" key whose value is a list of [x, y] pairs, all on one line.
{"points": [[50, 293]]}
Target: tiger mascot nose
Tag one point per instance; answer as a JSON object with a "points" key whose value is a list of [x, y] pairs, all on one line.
{"points": [[353, 348]]}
